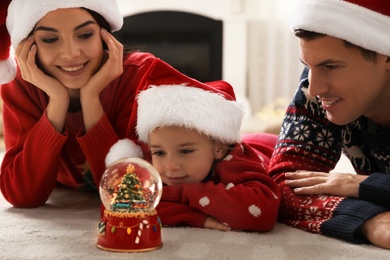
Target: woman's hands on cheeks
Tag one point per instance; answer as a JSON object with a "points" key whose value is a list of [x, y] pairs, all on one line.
{"points": [[336, 184], [111, 68], [25, 56], [58, 94]]}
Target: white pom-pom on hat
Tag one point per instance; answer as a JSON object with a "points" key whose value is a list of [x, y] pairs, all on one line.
{"points": [[7, 70], [7, 62], [122, 149]]}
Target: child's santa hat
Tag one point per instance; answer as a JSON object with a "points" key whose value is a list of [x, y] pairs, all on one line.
{"points": [[18, 19], [364, 23], [169, 98]]}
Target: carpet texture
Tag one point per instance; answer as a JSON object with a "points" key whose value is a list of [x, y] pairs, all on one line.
{"points": [[66, 228]]}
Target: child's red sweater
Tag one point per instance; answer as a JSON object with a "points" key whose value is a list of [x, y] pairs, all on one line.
{"points": [[240, 194]]}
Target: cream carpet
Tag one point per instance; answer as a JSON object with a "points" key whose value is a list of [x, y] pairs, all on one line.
{"points": [[66, 228]]}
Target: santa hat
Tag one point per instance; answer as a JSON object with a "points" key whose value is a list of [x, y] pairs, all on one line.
{"points": [[7, 63], [169, 98], [364, 23], [192, 107], [210, 108], [18, 19]]}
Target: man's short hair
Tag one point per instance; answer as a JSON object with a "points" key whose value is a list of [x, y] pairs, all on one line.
{"points": [[308, 35]]}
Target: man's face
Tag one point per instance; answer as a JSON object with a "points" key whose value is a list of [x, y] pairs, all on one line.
{"points": [[347, 85]]}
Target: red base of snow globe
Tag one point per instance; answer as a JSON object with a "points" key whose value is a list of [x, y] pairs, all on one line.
{"points": [[130, 232]]}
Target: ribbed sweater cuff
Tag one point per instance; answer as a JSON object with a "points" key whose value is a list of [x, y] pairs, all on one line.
{"points": [[45, 134], [172, 193], [348, 217], [376, 188], [100, 137], [197, 220]]}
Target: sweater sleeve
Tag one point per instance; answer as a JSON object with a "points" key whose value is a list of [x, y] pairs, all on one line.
{"points": [[308, 141], [96, 144], [241, 195], [33, 147], [376, 188], [118, 120], [179, 214]]}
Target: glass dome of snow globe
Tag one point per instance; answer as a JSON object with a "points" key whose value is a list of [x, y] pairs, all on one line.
{"points": [[130, 185]]}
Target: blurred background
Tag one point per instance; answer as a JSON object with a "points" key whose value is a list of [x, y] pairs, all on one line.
{"points": [[245, 42]]}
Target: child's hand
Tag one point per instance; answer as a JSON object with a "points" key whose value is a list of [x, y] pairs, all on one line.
{"points": [[214, 224]]}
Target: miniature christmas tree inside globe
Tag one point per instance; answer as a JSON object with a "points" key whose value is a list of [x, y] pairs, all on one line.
{"points": [[130, 185]]}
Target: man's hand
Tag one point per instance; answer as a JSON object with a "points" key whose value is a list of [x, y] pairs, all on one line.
{"points": [[377, 230], [214, 224], [336, 184]]}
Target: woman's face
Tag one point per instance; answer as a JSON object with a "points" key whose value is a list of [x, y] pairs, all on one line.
{"points": [[181, 155], [69, 46]]}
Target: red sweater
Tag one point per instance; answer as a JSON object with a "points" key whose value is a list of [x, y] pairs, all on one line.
{"points": [[240, 194], [37, 157]]}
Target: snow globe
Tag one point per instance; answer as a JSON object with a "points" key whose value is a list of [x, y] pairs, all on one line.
{"points": [[130, 189]]}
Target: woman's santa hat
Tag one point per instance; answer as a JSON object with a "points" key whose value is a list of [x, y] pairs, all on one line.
{"points": [[19, 17], [364, 23], [169, 98]]}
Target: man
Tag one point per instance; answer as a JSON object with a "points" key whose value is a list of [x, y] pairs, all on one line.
{"points": [[342, 105]]}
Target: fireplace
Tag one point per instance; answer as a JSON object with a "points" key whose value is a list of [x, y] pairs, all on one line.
{"points": [[218, 27], [259, 52], [189, 42]]}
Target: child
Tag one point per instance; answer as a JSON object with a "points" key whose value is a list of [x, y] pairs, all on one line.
{"points": [[211, 178]]}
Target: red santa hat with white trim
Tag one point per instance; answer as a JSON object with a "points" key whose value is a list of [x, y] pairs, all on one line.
{"points": [[364, 23], [18, 19], [170, 98]]}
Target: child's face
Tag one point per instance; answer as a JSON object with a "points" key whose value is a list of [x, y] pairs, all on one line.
{"points": [[69, 46], [347, 85], [181, 155]]}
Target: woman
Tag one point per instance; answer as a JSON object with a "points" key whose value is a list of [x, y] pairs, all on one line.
{"points": [[70, 99]]}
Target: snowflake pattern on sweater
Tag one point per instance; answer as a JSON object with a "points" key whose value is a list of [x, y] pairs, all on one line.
{"points": [[308, 141]]}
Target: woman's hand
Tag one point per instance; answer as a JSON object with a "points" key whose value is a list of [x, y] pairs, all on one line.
{"points": [[26, 57], [112, 68], [212, 223], [58, 94], [337, 184]]}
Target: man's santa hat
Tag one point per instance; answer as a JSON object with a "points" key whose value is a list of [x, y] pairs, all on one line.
{"points": [[19, 17], [364, 23], [169, 98]]}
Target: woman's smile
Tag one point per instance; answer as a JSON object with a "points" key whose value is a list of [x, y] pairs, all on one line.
{"points": [[74, 70]]}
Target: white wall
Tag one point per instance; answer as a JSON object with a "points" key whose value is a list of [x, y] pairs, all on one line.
{"points": [[273, 56]]}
